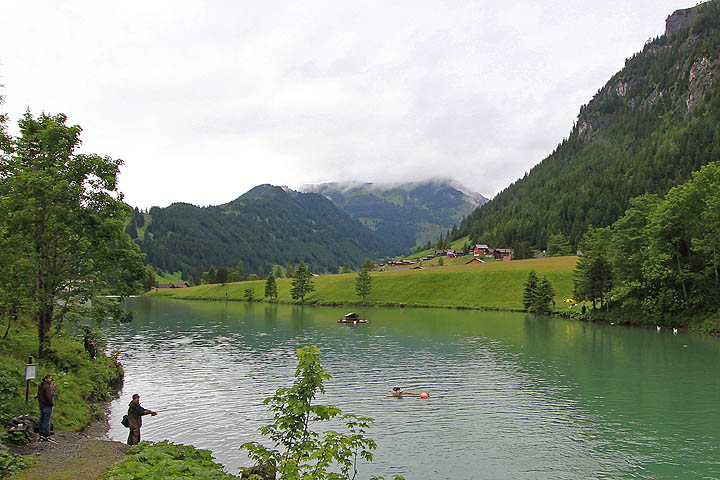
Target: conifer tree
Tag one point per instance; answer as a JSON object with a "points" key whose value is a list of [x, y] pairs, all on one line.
{"points": [[530, 290], [271, 290], [363, 283], [301, 283]]}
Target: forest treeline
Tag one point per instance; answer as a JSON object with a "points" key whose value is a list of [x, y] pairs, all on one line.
{"points": [[652, 125], [660, 259], [266, 227]]}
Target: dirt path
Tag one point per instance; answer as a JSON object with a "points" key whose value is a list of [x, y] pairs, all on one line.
{"points": [[82, 455]]}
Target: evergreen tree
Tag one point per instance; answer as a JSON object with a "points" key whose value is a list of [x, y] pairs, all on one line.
{"points": [[530, 290], [345, 269], [558, 245], [278, 271], [261, 272], [210, 275], [544, 298], [131, 229], [271, 290], [139, 218], [289, 270], [363, 283], [302, 283], [522, 250]]}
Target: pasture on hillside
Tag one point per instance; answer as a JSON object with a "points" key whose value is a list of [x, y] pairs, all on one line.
{"points": [[492, 285]]}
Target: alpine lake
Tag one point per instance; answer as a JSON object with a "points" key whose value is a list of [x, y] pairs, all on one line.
{"points": [[512, 396]]}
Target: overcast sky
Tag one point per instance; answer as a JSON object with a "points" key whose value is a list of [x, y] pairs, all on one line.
{"points": [[204, 100]]}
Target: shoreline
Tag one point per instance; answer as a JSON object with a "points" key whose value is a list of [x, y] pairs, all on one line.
{"points": [[597, 318], [83, 454]]}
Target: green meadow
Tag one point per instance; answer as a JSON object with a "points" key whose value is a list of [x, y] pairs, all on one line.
{"points": [[492, 285]]}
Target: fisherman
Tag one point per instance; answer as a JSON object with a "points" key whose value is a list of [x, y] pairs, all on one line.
{"points": [[135, 414], [90, 344]]}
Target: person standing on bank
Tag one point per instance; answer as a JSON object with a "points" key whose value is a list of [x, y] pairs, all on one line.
{"points": [[46, 400], [135, 414]]}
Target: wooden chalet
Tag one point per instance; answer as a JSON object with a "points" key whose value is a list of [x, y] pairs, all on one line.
{"points": [[173, 285], [501, 253]]}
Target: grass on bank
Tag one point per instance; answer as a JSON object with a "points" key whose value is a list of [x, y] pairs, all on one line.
{"points": [[83, 385], [492, 285]]}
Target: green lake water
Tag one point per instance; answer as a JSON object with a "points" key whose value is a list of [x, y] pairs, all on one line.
{"points": [[512, 396]]}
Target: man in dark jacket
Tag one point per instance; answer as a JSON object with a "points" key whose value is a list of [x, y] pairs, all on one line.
{"points": [[46, 400], [135, 414]]}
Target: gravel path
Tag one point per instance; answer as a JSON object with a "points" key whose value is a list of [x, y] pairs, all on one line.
{"points": [[82, 455]]}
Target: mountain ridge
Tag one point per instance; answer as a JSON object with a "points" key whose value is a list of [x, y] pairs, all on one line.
{"points": [[266, 226], [407, 214]]}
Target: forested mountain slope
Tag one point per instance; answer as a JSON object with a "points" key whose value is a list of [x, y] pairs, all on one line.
{"points": [[404, 214], [267, 226], [645, 131]]}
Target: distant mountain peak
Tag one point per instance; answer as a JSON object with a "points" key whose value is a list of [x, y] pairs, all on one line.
{"points": [[407, 214]]}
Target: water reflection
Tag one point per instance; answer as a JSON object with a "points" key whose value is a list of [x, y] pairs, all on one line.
{"points": [[512, 396]]}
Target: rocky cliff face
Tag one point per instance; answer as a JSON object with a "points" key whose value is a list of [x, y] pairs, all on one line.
{"points": [[686, 74], [680, 20]]}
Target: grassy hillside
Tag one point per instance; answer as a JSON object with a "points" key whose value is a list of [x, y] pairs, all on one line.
{"points": [[494, 285], [83, 385]]}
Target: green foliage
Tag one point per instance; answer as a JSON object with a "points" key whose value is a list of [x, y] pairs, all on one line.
{"points": [[662, 258], [593, 272], [368, 264], [266, 226], [538, 294], [302, 283], [164, 460], [83, 385], [522, 250], [271, 290], [278, 271], [64, 212], [345, 269], [530, 290], [298, 451], [222, 275], [363, 283], [558, 245], [249, 294], [10, 463], [149, 281]]}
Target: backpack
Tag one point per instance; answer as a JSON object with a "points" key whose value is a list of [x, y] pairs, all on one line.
{"points": [[125, 422]]}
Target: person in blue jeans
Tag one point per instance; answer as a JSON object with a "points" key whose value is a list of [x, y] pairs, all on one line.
{"points": [[46, 400]]}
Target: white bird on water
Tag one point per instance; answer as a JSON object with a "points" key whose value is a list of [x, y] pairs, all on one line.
{"points": [[658, 328], [674, 331]]}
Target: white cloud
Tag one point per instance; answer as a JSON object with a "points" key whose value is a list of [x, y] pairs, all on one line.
{"points": [[204, 100]]}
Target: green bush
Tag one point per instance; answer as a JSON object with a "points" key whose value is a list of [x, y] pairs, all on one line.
{"points": [[10, 463], [163, 460]]}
